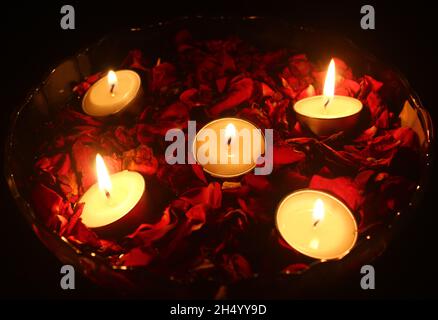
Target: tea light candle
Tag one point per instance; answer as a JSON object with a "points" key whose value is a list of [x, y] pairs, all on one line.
{"points": [[112, 199], [317, 224], [228, 147], [116, 92], [327, 114]]}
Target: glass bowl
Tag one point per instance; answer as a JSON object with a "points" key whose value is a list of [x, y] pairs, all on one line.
{"points": [[56, 90]]}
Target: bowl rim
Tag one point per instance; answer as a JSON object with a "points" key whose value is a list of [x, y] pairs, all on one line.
{"points": [[27, 211]]}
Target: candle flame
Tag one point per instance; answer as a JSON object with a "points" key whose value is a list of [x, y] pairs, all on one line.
{"points": [[230, 132], [103, 177], [329, 83], [112, 80], [318, 211]]}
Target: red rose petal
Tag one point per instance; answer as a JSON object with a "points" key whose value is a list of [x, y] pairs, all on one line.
{"points": [[258, 183], [199, 172], [221, 84], [46, 203], [80, 235], [138, 257], [84, 155], [295, 268], [162, 76], [211, 195], [141, 160], [135, 60], [197, 216], [145, 234], [286, 154], [240, 92], [343, 187], [236, 266], [407, 137]]}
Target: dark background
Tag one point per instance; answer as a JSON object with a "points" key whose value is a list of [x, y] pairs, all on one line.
{"points": [[32, 42]]}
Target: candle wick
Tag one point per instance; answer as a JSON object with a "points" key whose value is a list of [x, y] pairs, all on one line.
{"points": [[229, 141], [326, 103], [107, 194], [315, 223], [112, 89]]}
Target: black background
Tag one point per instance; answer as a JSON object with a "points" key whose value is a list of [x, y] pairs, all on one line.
{"points": [[32, 42]]}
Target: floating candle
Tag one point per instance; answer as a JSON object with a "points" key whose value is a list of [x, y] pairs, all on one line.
{"points": [[328, 113], [112, 198], [116, 92], [236, 151], [317, 224]]}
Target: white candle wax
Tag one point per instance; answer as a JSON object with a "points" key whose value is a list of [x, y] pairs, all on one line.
{"points": [[327, 114], [317, 224], [112, 94], [112, 197], [338, 107], [127, 190]]}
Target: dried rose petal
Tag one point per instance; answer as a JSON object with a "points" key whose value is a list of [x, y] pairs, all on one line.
{"points": [[141, 160], [299, 65], [60, 171], [80, 235], [162, 76], [295, 268], [236, 266], [256, 116], [407, 137], [199, 172], [221, 84], [46, 203], [138, 257], [179, 177], [145, 234], [135, 60], [257, 183], [197, 216], [74, 219], [82, 87], [343, 187], [196, 97], [174, 116], [240, 91], [308, 92], [286, 154], [342, 68], [211, 195], [125, 136], [84, 155]]}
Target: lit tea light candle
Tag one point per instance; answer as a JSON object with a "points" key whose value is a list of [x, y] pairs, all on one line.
{"points": [[116, 92], [114, 202], [317, 224], [228, 147], [328, 113]]}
